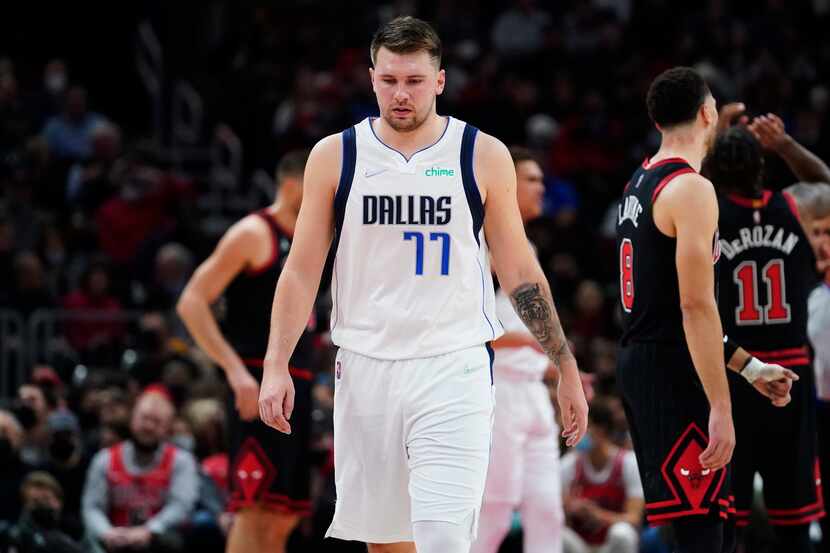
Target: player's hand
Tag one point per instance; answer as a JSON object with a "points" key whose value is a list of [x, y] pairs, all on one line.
{"points": [[769, 131], [276, 398], [572, 405], [731, 114], [773, 381], [245, 394], [721, 439]]}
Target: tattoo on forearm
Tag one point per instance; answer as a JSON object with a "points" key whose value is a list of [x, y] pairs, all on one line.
{"points": [[536, 310]]}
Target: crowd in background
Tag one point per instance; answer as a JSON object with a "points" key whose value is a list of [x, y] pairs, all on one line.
{"points": [[101, 227]]}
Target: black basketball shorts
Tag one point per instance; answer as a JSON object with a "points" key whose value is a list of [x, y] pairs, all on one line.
{"points": [[779, 443], [268, 468], [668, 416]]}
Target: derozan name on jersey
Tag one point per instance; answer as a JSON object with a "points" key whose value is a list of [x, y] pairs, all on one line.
{"points": [[759, 237]]}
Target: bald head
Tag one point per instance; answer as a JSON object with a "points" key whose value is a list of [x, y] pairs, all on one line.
{"points": [[152, 418]]}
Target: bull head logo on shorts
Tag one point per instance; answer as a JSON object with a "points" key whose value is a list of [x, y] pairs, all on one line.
{"points": [[695, 477]]}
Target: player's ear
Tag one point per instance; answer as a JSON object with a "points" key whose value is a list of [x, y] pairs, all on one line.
{"points": [[442, 81], [372, 79]]}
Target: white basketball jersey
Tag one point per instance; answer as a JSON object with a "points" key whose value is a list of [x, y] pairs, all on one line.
{"points": [[411, 274]]}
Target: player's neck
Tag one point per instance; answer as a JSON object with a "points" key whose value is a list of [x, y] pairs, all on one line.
{"points": [[683, 143], [283, 215], [410, 142]]}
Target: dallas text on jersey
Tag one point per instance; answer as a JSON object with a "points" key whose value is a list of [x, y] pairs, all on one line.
{"points": [[407, 210]]}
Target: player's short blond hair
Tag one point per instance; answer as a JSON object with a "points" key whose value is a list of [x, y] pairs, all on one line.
{"points": [[406, 35]]}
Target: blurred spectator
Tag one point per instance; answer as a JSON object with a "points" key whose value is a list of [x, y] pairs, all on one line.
{"points": [[95, 313], [174, 264], [139, 493], [88, 183], [38, 529], [34, 449], [69, 134], [50, 99], [144, 208], [15, 125], [520, 30], [67, 464], [11, 440], [603, 497], [30, 290]]}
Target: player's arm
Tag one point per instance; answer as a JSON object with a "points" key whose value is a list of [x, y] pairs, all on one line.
{"points": [[522, 278], [690, 210], [300, 280], [204, 288], [770, 132]]}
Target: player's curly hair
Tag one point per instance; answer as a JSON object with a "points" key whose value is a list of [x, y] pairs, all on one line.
{"points": [[675, 96], [405, 35], [735, 163]]}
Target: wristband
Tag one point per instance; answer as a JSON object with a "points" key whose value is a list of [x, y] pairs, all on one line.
{"points": [[729, 349]]}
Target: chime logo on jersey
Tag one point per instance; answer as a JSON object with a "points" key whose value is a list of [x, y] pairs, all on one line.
{"points": [[407, 210], [439, 172]]}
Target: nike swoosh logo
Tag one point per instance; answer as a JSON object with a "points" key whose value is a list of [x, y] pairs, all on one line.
{"points": [[372, 172]]}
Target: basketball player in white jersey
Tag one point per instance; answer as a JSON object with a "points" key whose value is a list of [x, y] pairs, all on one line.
{"points": [[411, 201], [524, 462]]}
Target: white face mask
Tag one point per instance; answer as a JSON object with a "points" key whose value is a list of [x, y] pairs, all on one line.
{"points": [[55, 82]]}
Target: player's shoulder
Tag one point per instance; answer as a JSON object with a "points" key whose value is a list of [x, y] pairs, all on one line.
{"points": [[328, 146], [492, 163], [690, 190], [246, 231], [489, 147]]}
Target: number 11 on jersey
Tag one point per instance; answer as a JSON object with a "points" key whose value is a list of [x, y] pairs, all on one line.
{"points": [[418, 237]]}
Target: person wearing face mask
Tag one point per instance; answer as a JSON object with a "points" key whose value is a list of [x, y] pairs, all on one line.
{"points": [[38, 530], [141, 491], [67, 464]]}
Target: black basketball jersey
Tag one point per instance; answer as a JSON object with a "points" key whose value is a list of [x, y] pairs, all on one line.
{"points": [[649, 290], [249, 298], [767, 272]]}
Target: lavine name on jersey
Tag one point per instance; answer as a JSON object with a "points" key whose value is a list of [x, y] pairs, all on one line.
{"points": [[630, 211], [759, 237], [407, 210]]}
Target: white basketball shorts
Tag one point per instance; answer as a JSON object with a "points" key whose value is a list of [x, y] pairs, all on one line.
{"points": [[411, 442]]}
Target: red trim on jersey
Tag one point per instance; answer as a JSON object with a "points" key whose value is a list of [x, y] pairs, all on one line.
{"points": [[302, 374], [745, 201], [785, 357], [794, 362], [678, 514], [796, 521], [663, 162], [792, 205], [275, 244], [773, 353], [790, 512], [668, 178]]}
